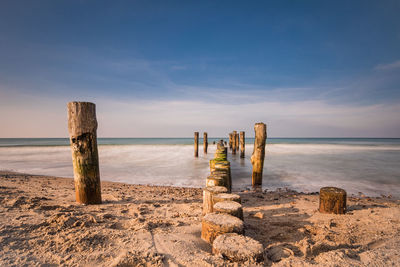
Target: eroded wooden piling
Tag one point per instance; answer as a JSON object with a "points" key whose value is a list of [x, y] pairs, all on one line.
{"points": [[332, 200], [205, 143], [237, 142], [242, 144], [230, 140], [196, 144], [257, 158], [234, 144], [82, 127]]}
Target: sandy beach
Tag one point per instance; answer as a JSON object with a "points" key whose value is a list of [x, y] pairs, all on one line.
{"points": [[139, 225]]}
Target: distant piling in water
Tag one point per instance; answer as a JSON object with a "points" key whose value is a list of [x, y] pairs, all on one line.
{"points": [[242, 144], [237, 142], [234, 144], [257, 158], [205, 143], [230, 140], [196, 144], [82, 127]]}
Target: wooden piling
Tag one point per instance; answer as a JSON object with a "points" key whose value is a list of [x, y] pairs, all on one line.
{"points": [[257, 158], [332, 200], [215, 224], [230, 141], [208, 193], [242, 144], [205, 143], [196, 144], [82, 127], [234, 144], [237, 142]]}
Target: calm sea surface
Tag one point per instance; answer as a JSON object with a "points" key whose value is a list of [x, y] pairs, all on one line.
{"points": [[368, 165]]}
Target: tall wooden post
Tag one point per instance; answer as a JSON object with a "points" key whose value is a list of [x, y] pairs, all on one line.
{"points": [[82, 127], [242, 144], [196, 144], [234, 144], [230, 141], [237, 141], [205, 143], [257, 159]]}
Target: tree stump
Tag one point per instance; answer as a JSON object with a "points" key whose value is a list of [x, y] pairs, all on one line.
{"points": [[82, 127], [215, 224], [332, 200], [196, 144], [208, 194], [205, 143], [257, 159], [242, 144], [238, 248], [229, 207], [226, 197]]}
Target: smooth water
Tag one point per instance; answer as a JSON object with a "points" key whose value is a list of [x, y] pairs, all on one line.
{"points": [[365, 165]]}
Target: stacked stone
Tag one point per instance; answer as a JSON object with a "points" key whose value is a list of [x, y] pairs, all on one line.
{"points": [[222, 223]]}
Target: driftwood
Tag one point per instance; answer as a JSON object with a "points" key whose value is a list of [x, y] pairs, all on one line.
{"points": [[208, 194], [332, 200], [242, 144], [215, 224], [82, 127], [238, 248], [205, 143], [257, 159], [229, 207], [196, 144]]}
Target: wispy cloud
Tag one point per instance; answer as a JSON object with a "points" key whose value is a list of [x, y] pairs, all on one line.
{"points": [[388, 66]]}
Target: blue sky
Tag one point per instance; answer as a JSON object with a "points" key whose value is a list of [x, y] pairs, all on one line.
{"points": [[168, 68]]}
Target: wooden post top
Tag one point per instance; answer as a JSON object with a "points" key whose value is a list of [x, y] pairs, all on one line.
{"points": [[81, 118]]}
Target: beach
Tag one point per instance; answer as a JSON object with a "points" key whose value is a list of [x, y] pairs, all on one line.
{"points": [[141, 225]]}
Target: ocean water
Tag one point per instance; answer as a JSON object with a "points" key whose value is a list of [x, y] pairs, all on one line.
{"points": [[367, 165]]}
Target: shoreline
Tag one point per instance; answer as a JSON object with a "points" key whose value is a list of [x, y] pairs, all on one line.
{"points": [[145, 225]]}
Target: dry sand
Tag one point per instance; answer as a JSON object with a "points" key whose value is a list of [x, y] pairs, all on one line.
{"points": [[41, 225]]}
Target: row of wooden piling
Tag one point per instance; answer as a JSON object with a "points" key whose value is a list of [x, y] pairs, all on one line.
{"points": [[196, 143], [222, 222]]}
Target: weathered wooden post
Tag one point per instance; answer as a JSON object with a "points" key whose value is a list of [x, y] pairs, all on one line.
{"points": [[237, 141], [257, 159], [82, 127], [196, 144], [242, 144], [205, 143], [234, 144], [332, 200], [230, 141]]}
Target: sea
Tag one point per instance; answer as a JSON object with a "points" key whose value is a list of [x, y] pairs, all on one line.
{"points": [[369, 166]]}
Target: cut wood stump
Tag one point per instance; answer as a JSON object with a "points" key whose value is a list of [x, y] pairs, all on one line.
{"points": [[229, 207], [215, 224], [226, 197], [332, 200], [208, 193], [238, 248]]}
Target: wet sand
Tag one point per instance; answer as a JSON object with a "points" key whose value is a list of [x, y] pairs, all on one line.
{"points": [[139, 225]]}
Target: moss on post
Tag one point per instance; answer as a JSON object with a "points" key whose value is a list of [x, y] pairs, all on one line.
{"points": [[82, 127]]}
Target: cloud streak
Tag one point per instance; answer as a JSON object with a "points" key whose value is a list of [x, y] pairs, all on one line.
{"points": [[389, 66]]}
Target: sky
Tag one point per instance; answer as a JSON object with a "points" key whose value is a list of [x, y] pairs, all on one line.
{"points": [[169, 68]]}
